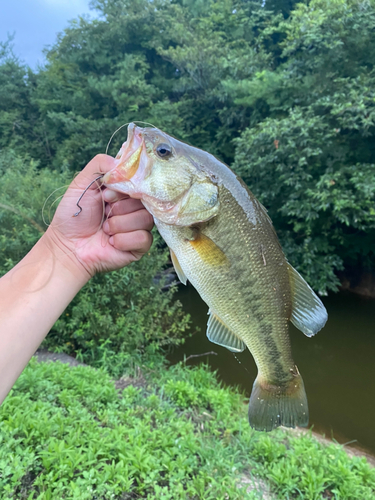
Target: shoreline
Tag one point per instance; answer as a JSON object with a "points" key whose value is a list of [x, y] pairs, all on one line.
{"points": [[351, 449], [42, 355]]}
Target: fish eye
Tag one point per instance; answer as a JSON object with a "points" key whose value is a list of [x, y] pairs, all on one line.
{"points": [[164, 151]]}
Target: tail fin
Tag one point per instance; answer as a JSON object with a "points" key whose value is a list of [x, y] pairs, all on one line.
{"points": [[271, 405]]}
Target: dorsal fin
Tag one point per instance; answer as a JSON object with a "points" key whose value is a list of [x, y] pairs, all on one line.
{"points": [[219, 333], [308, 312], [180, 273]]}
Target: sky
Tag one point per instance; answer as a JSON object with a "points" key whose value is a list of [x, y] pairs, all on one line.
{"points": [[36, 24]]}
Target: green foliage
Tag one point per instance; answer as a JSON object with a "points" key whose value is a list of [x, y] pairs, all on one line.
{"points": [[321, 203], [117, 318], [231, 77], [68, 433], [312, 161], [24, 192], [21, 125]]}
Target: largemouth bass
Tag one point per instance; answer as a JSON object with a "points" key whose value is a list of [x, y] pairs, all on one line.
{"points": [[222, 240]]}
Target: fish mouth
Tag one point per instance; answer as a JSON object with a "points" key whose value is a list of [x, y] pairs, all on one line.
{"points": [[128, 158]]}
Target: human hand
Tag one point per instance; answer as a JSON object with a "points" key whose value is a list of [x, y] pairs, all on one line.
{"points": [[86, 245]]}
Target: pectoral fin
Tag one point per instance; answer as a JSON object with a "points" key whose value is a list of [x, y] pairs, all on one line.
{"points": [[219, 333], [209, 252], [308, 312], [180, 273]]}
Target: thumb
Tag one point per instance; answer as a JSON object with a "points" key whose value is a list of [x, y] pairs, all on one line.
{"points": [[100, 164]]}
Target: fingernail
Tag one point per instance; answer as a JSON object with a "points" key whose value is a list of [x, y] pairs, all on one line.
{"points": [[111, 240], [106, 227], [109, 195]]}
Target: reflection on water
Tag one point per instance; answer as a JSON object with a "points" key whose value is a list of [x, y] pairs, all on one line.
{"points": [[337, 365]]}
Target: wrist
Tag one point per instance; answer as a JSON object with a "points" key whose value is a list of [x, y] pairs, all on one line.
{"points": [[64, 256]]}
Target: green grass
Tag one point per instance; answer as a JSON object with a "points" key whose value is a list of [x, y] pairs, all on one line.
{"points": [[68, 433]]}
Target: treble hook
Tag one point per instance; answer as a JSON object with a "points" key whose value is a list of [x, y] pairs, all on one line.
{"points": [[80, 198]]}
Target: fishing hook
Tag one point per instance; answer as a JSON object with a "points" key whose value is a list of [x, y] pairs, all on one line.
{"points": [[80, 198]]}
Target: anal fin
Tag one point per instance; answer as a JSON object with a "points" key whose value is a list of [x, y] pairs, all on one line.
{"points": [[219, 333], [180, 273]]}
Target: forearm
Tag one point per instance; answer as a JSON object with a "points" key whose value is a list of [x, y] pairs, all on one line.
{"points": [[35, 293], [33, 296]]}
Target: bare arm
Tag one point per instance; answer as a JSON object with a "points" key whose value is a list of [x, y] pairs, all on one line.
{"points": [[36, 291]]}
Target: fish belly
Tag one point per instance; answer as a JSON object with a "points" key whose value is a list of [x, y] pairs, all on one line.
{"points": [[249, 290]]}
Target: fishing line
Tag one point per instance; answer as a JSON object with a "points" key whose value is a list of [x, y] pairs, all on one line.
{"points": [[122, 126], [112, 136], [45, 203], [49, 224], [106, 217], [56, 200], [240, 362]]}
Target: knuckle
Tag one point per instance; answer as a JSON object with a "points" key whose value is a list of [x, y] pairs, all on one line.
{"points": [[119, 207], [147, 218], [115, 208], [150, 219], [144, 239], [115, 241], [100, 157], [113, 225]]}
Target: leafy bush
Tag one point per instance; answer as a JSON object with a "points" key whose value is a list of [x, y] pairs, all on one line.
{"points": [[24, 191], [312, 159], [68, 433], [294, 81], [320, 202], [117, 317]]}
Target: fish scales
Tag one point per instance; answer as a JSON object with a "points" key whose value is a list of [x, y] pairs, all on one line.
{"points": [[251, 297], [222, 239]]}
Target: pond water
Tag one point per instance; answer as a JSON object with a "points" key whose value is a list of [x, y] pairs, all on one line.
{"points": [[337, 365]]}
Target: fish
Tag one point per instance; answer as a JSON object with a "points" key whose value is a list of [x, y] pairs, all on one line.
{"points": [[222, 240]]}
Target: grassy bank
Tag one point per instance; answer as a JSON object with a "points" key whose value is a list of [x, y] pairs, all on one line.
{"points": [[167, 434]]}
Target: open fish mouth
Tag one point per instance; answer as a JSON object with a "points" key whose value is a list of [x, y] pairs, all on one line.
{"points": [[128, 158]]}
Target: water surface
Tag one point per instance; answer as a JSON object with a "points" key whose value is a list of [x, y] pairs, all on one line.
{"points": [[337, 365]]}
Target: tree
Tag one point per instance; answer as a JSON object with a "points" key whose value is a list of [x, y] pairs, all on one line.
{"points": [[282, 91], [313, 161]]}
